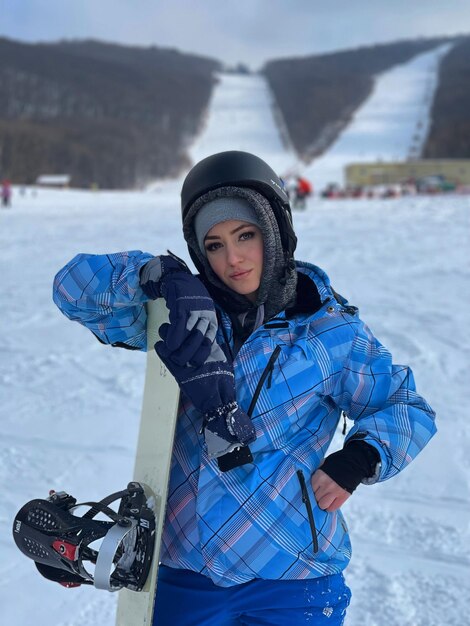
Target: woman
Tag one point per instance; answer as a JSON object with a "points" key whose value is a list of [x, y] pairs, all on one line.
{"points": [[268, 357]]}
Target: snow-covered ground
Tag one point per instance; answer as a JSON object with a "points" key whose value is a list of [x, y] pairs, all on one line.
{"points": [[70, 406]]}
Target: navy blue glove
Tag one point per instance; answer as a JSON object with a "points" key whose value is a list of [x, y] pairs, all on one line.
{"points": [[191, 353], [189, 336], [211, 388]]}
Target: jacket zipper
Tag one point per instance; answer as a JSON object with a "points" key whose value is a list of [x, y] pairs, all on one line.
{"points": [[267, 370], [308, 506]]}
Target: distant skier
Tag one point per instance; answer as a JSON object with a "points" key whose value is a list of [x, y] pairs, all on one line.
{"points": [[268, 357], [303, 189], [6, 193]]}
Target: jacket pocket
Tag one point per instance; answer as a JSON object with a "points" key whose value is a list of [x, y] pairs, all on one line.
{"points": [[268, 371], [308, 505]]}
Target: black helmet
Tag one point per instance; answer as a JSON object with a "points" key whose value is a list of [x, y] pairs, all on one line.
{"points": [[241, 169]]}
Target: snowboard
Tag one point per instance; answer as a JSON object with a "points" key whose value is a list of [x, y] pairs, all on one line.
{"points": [[152, 464]]}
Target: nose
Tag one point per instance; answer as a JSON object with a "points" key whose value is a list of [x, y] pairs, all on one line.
{"points": [[233, 255]]}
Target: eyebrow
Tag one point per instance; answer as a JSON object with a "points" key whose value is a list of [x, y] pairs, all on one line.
{"points": [[232, 232]]}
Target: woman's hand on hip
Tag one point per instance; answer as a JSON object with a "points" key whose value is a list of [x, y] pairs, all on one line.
{"points": [[328, 494]]}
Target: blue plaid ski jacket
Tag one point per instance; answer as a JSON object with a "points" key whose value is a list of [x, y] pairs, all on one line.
{"points": [[296, 376]]}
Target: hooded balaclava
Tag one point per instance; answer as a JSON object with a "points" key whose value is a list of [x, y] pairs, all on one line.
{"points": [[277, 288]]}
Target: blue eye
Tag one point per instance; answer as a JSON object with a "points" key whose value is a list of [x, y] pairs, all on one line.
{"points": [[212, 247], [249, 234]]}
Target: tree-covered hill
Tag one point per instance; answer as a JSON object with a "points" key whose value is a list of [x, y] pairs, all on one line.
{"points": [[317, 95], [449, 136], [110, 115], [119, 116]]}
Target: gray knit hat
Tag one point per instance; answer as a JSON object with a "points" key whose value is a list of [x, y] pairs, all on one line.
{"points": [[277, 289], [222, 210]]}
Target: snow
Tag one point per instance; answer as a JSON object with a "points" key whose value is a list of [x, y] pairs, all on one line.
{"points": [[70, 406], [243, 117], [393, 123]]}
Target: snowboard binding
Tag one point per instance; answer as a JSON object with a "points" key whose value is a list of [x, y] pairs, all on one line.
{"points": [[60, 542]]}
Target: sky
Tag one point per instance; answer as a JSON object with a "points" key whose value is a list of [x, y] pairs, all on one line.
{"points": [[246, 31]]}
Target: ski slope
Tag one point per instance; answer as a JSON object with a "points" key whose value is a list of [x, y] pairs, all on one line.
{"points": [[70, 406], [243, 116], [392, 125]]}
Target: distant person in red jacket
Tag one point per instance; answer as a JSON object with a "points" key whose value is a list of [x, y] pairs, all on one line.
{"points": [[6, 193], [303, 190]]}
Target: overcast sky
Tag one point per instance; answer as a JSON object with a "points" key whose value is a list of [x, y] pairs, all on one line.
{"points": [[248, 31]]}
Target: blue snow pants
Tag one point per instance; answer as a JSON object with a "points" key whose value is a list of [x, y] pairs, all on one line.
{"points": [[185, 598]]}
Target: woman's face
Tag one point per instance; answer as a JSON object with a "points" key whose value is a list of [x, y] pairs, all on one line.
{"points": [[234, 250]]}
